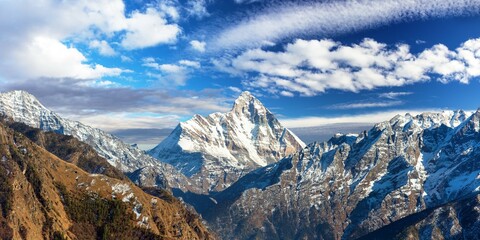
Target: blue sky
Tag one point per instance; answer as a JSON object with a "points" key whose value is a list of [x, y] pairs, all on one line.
{"points": [[140, 64]]}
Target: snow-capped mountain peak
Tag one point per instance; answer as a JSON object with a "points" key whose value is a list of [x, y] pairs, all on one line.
{"points": [[246, 105], [221, 147]]}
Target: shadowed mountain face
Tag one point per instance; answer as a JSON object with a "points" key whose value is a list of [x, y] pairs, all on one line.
{"points": [[44, 197], [68, 149], [354, 184], [458, 219], [216, 150]]}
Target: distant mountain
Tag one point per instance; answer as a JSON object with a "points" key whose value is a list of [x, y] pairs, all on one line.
{"points": [[325, 132], [216, 150], [44, 197], [354, 184], [23, 107]]}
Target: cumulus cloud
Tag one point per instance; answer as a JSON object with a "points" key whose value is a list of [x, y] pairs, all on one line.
{"points": [[103, 47], [41, 39], [311, 67], [175, 74], [148, 29], [198, 45], [327, 18], [48, 57]]}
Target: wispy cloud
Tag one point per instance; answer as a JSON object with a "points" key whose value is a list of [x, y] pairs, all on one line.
{"points": [[176, 74], [394, 95], [366, 105], [311, 67], [197, 8], [287, 20], [371, 118], [119, 107], [247, 1]]}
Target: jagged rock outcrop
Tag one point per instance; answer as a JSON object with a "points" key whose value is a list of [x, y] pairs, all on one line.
{"points": [[216, 150]]}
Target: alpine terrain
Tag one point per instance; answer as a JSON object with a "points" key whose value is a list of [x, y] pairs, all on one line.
{"points": [[45, 197], [216, 150], [416, 177], [144, 170]]}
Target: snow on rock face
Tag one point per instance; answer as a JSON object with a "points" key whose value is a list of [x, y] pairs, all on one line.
{"points": [[355, 184], [221, 147], [23, 107]]}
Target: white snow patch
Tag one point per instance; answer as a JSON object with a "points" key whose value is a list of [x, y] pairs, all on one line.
{"points": [[121, 188], [128, 197]]}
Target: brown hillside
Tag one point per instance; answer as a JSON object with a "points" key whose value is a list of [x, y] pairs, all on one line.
{"points": [[44, 197], [68, 149]]}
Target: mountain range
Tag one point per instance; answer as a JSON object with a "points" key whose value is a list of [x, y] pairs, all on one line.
{"points": [[415, 177], [355, 184]]}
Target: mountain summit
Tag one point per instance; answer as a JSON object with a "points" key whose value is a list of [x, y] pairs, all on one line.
{"points": [[216, 150]]}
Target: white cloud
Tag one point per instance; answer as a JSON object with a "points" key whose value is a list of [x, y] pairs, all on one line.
{"points": [[39, 29], [287, 94], [172, 74], [198, 45], [394, 95], [311, 67], [197, 8], [47, 57], [246, 1], [168, 7], [328, 18], [125, 58], [234, 89], [376, 117], [125, 120], [188, 63], [366, 105], [149, 29], [103, 47]]}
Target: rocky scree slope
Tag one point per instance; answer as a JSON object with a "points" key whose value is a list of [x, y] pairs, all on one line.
{"points": [[44, 197], [353, 185], [216, 150]]}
